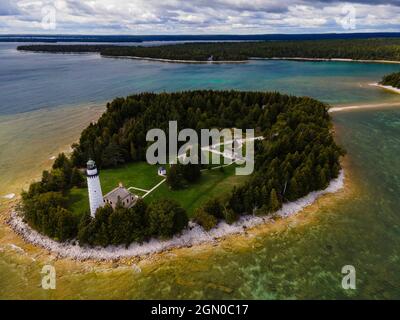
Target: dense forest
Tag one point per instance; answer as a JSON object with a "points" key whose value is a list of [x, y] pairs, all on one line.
{"points": [[65, 48], [392, 79], [368, 49], [298, 155]]}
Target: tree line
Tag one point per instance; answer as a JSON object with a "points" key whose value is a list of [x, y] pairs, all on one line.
{"points": [[358, 49], [161, 219]]}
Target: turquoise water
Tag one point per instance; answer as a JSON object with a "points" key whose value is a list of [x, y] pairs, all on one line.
{"points": [[46, 99], [305, 261]]}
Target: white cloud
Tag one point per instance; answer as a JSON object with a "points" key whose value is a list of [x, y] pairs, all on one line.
{"points": [[196, 17]]}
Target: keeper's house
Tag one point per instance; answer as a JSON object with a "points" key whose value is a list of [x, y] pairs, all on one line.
{"points": [[122, 195]]}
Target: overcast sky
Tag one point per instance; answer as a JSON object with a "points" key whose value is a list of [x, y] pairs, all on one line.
{"points": [[197, 16]]}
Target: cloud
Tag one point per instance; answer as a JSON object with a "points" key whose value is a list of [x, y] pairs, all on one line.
{"points": [[367, 2], [8, 8], [197, 16]]}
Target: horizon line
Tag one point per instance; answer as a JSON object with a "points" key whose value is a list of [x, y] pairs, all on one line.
{"points": [[195, 35]]}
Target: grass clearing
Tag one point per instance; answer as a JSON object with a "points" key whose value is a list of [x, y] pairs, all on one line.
{"points": [[142, 175], [212, 183]]}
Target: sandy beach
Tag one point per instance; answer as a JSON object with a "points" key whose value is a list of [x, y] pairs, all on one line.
{"points": [[390, 88]]}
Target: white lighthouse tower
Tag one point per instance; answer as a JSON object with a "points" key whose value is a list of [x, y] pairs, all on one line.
{"points": [[94, 187]]}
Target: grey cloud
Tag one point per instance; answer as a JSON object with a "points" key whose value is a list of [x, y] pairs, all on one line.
{"points": [[8, 8], [79, 7], [274, 6], [197, 16], [367, 2]]}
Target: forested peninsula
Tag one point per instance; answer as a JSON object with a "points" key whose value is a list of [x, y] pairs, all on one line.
{"points": [[392, 80], [356, 49], [298, 155]]}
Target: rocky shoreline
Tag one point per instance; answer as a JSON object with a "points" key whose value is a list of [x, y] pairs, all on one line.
{"points": [[194, 235]]}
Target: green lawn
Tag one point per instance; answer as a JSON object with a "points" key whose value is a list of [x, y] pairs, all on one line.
{"points": [[211, 184], [142, 175]]}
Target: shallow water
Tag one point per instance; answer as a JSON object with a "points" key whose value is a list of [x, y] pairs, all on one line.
{"points": [[303, 260]]}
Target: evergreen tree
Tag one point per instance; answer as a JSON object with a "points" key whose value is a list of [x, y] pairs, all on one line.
{"points": [[206, 220], [166, 218], [174, 177], [230, 216], [214, 207], [274, 202]]}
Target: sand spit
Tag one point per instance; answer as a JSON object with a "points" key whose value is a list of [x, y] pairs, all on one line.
{"points": [[364, 106], [390, 88], [370, 106]]}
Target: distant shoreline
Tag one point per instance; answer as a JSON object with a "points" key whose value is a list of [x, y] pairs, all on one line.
{"points": [[252, 59], [327, 60], [177, 61], [249, 59]]}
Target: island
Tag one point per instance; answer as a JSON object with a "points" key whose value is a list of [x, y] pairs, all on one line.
{"points": [[373, 49], [296, 155]]}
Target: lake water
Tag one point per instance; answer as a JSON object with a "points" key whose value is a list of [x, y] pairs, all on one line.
{"points": [[47, 99], [31, 81]]}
